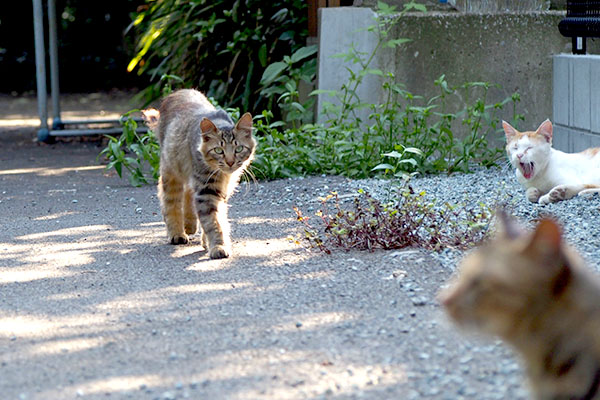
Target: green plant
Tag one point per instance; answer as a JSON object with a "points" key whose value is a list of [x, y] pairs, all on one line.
{"points": [[219, 46], [283, 79], [137, 153], [407, 221], [404, 134]]}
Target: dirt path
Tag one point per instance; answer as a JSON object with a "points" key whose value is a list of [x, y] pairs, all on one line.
{"points": [[95, 304]]}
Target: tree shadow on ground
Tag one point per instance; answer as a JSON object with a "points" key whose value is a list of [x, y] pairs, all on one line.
{"points": [[94, 302]]}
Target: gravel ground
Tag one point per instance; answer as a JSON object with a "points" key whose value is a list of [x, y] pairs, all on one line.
{"points": [[95, 304], [498, 186]]}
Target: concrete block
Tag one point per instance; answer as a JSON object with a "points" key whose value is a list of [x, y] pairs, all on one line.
{"points": [[514, 50], [579, 141], [560, 138], [500, 5], [580, 92], [339, 29], [594, 140], [595, 93], [560, 90]]}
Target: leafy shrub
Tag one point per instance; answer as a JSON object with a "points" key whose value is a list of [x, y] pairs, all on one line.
{"points": [[136, 152], [219, 46], [283, 78], [405, 134], [407, 221]]}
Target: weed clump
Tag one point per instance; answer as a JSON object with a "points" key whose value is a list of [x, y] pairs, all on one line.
{"points": [[407, 221]]}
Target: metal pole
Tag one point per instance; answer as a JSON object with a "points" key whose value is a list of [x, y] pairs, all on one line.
{"points": [[53, 48], [40, 70]]}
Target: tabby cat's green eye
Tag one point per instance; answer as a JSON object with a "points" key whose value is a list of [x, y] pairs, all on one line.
{"points": [[219, 150], [239, 149]]}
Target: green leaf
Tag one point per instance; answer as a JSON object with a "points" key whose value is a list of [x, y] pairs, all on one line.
{"points": [[117, 165], [272, 72], [415, 6], [413, 150], [396, 42], [408, 161], [371, 71], [298, 107], [384, 9], [393, 154], [323, 91], [303, 53], [262, 55], [383, 166]]}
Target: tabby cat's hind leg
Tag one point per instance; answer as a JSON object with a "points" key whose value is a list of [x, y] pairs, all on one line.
{"points": [[190, 217], [171, 194]]}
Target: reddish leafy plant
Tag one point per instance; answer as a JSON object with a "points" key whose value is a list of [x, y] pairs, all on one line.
{"points": [[408, 221]]}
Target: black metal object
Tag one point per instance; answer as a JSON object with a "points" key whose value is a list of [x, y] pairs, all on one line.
{"points": [[582, 21]]}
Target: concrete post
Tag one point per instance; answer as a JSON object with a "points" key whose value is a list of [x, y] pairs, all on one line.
{"points": [[576, 101]]}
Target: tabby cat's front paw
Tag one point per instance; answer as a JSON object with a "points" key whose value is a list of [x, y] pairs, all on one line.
{"points": [[180, 238], [219, 252]]}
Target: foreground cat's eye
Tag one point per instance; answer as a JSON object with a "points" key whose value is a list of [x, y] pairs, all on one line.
{"points": [[239, 149], [218, 150]]}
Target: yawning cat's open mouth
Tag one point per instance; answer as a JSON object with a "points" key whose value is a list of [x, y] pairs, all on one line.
{"points": [[527, 169]]}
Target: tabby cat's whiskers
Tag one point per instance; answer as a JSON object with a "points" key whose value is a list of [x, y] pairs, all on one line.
{"points": [[203, 155]]}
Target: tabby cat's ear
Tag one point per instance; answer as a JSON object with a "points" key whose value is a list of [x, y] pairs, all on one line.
{"points": [[546, 241], [245, 124], [506, 225], [509, 131], [545, 130], [207, 127]]}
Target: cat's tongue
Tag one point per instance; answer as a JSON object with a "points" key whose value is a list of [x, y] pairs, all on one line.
{"points": [[527, 169]]}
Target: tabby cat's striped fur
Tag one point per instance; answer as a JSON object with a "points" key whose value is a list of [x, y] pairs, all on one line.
{"points": [[202, 156], [535, 292]]}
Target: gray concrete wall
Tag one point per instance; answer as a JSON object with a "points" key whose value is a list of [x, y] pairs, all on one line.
{"points": [[340, 28], [576, 102], [494, 6], [513, 50]]}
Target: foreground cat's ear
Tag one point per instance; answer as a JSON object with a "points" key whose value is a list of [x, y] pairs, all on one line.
{"points": [[509, 131], [207, 127], [545, 129], [245, 124], [506, 225], [546, 241], [545, 247]]}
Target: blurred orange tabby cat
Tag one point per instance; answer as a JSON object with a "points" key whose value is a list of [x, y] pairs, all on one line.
{"points": [[533, 291]]}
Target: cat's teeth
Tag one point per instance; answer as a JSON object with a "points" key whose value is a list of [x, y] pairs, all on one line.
{"points": [[527, 169]]}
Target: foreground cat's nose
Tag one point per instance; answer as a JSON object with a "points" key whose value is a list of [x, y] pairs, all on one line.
{"points": [[519, 156], [446, 297]]}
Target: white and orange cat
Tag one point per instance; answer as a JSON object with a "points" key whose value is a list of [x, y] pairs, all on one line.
{"points": [[536, 293], [550, 175]]}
